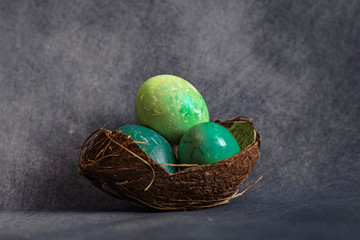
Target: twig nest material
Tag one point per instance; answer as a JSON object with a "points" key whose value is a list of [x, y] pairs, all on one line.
{"points": [[115, 163]]}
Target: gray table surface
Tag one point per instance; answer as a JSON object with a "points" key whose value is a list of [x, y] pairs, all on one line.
{"points": [[70, 67]]}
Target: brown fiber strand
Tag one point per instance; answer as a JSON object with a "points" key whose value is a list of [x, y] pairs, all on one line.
{"points": [[110, 161], [152, 169]]}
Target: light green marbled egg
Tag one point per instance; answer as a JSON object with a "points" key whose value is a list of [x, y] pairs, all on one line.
{"points": [[170, 105]]}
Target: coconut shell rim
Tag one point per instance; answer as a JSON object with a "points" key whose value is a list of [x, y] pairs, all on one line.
{"points": [[195, 169]]}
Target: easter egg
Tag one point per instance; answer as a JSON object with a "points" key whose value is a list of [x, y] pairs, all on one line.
{"points": [[206, 143], [170, 105], [153, 144]]}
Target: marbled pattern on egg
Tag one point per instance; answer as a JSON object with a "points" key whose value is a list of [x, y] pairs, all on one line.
{"points": [[170, 105], [207, 143]]}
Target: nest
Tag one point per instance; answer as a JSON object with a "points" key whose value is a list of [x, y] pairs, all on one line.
{"points": [[115, 163]]}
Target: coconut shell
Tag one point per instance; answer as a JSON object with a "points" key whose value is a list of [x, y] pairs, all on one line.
{"points": [[115, 163]]}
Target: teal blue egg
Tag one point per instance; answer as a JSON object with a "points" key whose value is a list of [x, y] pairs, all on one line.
{"points": [[206, 143], [153, 144]]}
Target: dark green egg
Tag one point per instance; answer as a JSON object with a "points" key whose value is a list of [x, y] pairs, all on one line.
{"points": [[207, 143]]}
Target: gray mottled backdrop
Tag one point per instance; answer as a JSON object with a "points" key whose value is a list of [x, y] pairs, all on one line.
{"points": [[70, 67]]}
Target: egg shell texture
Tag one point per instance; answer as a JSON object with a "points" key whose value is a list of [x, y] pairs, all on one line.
{"points": [[153, 144], [170, 105], [207, 143]]}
